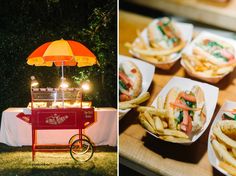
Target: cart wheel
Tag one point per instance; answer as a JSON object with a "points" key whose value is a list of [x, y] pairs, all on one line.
{"points": [[76, 136], [81, 150]]}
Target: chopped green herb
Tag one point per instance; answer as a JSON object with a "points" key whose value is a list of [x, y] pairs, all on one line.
{"points": [[122, 85], [213, 43], [166, 23], [191, 93], [190, 104], [180, 117], [191, 113], [160, 28], [218, 55], [174, 39], [230, 116]]}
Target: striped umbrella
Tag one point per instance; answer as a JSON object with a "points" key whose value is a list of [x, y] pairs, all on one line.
{"points": [[62, 53]]}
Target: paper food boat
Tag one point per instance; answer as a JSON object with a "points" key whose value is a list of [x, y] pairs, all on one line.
{"points": [[186, 30], [211, 96], [189, 50], [147, 71], [211, 153]]}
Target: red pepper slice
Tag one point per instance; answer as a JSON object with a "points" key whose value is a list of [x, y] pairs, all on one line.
{"points": [[125, 79], [187, 97]]}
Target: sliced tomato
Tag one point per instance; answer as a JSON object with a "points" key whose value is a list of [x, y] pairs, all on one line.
{"points": [[206, 41], [185, 118], [124, 91], [227, 55], [186, 124], [124, 97], [125, 79], [168, 32], [133, 70], [160, 23], [183, 127], [187, 97], [184, 107], [189, 126]]}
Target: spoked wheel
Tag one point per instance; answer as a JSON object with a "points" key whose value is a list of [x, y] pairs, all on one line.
{"points": [[76, 136], [81, 150]]}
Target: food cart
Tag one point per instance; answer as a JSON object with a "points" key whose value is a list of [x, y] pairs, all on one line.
{"points": [[61, 108], [56, 108]]}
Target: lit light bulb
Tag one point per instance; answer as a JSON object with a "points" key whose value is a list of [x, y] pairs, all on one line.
{"points": [[34, 82], [85, 86], [64, 84]]}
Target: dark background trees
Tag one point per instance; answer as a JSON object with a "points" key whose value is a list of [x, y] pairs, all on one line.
{"points": [[27, 24]]}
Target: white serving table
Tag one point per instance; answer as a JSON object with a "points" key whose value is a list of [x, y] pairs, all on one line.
{"points": [[16, 132]]}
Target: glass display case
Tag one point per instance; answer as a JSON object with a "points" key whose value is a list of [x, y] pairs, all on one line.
{"points": [[57, 98]]}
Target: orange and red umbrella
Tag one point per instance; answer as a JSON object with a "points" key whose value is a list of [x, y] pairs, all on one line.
{"points": [[62, 53]]}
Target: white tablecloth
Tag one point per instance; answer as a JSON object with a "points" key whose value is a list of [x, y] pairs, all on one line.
{"points": [[16, 132]]}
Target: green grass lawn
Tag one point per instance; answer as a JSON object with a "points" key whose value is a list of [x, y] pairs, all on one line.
{"points": [[16, 161]]}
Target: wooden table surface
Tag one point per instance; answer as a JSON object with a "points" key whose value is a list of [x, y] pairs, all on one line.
{"points": [[147, 154], [207, 11]]}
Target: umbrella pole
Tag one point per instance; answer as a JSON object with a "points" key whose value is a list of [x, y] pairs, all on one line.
{"points": [[62, 69], [62, 77]]}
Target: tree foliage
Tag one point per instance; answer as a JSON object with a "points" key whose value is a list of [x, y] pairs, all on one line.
{"points": [[27, 24]]}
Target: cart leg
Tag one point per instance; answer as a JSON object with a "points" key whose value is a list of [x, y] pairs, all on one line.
{"points": [[34, 141], [80, 137], [80, 134]]}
